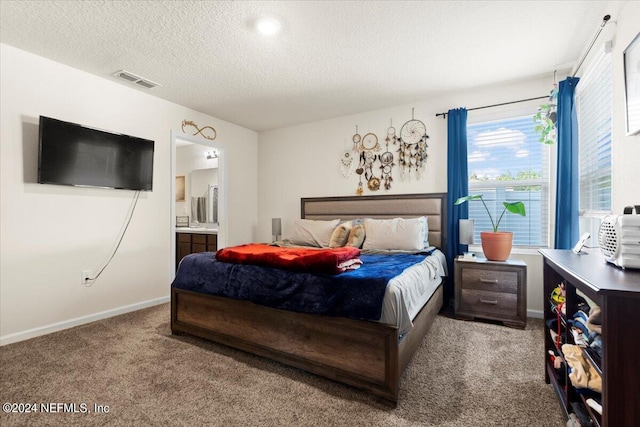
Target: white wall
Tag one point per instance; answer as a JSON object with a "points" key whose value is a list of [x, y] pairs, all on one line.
{"points": [[49, 234], [625, 177]]}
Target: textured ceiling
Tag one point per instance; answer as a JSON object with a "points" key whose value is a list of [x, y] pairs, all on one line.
{"points": [[331, 59]]}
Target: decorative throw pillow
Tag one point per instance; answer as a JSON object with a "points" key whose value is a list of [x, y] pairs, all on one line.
{"points": [[340, 235], [308, 232], [396, 234], [356, 236]]}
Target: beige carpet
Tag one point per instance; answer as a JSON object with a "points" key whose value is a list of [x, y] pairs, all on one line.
{"points": [[465, 374]]}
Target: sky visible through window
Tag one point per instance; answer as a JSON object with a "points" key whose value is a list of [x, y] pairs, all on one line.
{"points": [[507, 162], [502, 147]]}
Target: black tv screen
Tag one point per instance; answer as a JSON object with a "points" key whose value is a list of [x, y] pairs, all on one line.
{"points": [[72, 154]]}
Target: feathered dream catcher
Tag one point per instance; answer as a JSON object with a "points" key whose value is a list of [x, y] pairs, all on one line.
{"points": [[349, 158], [412, 150], [366, 146], [386, 158]]}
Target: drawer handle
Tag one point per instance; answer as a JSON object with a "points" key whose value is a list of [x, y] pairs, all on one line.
{"points": [[488, 280], [486, 301]]}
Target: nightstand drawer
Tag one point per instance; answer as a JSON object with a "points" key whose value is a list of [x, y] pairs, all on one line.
{"points": [[491, 290], [490, 280], [488, 302]]}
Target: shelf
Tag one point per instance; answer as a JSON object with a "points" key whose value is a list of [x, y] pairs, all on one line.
{"points": [[594, 359], [596, 418], [559, 388]]}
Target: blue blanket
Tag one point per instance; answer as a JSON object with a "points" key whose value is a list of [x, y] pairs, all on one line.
{"points": [[355, 294]]}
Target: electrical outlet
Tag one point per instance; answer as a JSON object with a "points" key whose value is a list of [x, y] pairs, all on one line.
{"points": [[86, 277]]}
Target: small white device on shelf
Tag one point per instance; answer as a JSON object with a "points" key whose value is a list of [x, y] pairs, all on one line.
{"points": [[583, 239], [619, 238]]}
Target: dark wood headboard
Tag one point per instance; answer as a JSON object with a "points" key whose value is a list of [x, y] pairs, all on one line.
{"points": [[431, 205]]}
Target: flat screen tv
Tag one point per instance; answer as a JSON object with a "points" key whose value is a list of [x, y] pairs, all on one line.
{"points": [[72, 154]]}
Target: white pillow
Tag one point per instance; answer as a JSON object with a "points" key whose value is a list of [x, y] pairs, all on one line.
{"points": [[396, 234], [308, 232]]}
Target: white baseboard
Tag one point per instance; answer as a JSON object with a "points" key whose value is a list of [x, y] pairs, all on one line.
{"points": [[43, 330], [536, 314]]}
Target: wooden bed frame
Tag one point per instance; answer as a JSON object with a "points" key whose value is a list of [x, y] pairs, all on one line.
{"points": [[367, 355]]}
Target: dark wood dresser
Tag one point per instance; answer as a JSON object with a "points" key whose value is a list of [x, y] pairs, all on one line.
{"points": [[617, 292]]}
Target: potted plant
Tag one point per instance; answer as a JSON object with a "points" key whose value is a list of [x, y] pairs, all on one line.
{"points": [[496, 245]]}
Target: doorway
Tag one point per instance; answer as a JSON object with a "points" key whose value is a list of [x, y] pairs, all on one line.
{"points": [[212, 151]]}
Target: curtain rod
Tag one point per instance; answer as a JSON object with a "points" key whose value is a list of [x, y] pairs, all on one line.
{"points": [[444, 115], [605, 19]]}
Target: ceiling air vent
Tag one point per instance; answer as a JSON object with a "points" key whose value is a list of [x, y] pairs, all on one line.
{"points": [[132, 78]]}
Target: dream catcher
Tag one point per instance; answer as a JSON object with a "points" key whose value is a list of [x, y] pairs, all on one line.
{"points": [[366, 146], [391, 136], [357, 139], [369, 143], [348, 158], [360, 171], [367, 160], [347, 163], [386, 165], [412, 153]]}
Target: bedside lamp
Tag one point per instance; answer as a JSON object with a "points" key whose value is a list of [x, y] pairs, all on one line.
{"points": [[276, 228], [466, 235]]}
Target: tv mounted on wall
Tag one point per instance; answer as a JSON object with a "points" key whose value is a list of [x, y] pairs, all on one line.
{"points": [[72, 154]]}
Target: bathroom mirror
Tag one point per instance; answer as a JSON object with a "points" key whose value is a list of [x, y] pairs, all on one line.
{"points": [[199, 166]]}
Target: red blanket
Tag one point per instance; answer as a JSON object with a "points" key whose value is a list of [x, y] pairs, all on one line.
{"points": [[327, 261]]}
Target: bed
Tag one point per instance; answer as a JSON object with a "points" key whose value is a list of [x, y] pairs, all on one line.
{"points": [[370, 355]]}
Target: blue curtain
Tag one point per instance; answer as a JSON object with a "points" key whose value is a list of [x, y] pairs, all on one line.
{"points": [[457, 185], [567, 205]]}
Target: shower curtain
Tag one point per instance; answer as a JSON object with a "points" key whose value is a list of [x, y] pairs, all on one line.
{"points": [[199, 209]]}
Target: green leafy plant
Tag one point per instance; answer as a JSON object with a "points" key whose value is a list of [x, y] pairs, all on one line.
{"points": [[513, 207], [545, 123], [546, 117]]}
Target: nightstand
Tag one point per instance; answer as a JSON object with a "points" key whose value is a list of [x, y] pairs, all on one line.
{"points": [[491, 290]]}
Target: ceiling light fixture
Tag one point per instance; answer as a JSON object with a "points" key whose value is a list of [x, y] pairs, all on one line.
{"points": [[267, 26]]}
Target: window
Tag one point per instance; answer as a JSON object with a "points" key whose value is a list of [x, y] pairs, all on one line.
{"points": [[593, 103], [508, 163]]}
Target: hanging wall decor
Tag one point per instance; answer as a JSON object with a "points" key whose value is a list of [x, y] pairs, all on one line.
{"points": [[367, 159], [369, 143], [210, 133], [348, 158], [357, 139], [386, 160], [347, 163], [391, 136], [412, 152], [359, 171]]}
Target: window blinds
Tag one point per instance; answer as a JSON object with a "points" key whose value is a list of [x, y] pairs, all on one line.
{"points": [[593, 103]]}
